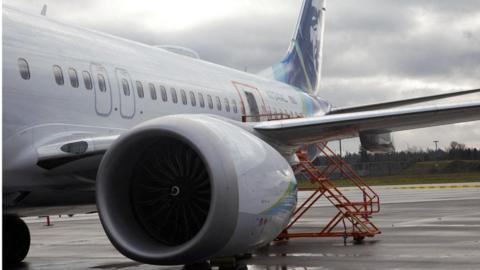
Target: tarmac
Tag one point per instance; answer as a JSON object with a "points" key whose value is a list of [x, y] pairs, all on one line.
{"points": [[423, 227]]}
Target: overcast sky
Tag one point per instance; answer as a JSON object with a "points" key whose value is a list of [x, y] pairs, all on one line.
{"points": [[375, 50]]}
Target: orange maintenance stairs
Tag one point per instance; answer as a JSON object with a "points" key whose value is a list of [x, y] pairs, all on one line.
{"points": [[353, 217]]}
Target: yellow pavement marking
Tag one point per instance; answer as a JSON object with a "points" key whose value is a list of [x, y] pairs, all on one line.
{"points": [[404, 187], [439, 186]]}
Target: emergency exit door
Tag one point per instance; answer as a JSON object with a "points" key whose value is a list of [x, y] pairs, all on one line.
{"points": [[101, 86], [126, 93]]}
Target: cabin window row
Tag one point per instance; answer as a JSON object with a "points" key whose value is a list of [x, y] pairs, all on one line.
{"points": [[195, 98], [278, 113], [74, 80]]}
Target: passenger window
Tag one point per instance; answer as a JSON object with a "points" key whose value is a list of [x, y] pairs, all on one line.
{"points": [[125, 87], [184, 96], [219, 104], [87, 80], [173, 91], [163, 92], [24, 69], [58, 74], [101, 83], [200, 100], [72, 73], [234, 105], [153, 92], [140, 92], [210, 101], [227, 105], [192, 99]]}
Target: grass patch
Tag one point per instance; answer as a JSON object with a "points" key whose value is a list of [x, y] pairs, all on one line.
{"points": [[443, 167], [408, 179]]}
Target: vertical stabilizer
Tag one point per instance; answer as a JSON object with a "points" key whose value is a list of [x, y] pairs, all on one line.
{"points": [[301, 67]]}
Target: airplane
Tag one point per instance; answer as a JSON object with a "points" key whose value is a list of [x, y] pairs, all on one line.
{"points": [[183, 159]]}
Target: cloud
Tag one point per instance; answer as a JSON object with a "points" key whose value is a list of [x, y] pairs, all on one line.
{"points": [[375, 50]]}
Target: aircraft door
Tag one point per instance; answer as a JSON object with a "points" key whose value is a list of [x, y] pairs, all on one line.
{"points": [[252, 106], [252, 102], [126, 93], [103, 93]]}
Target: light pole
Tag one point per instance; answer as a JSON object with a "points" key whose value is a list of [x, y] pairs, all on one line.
{"points": [[436, 145], [340, 143]]}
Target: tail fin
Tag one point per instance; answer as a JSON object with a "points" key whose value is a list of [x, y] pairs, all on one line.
{"points": [[301, 67]]}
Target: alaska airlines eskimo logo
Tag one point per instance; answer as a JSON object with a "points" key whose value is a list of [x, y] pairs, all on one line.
{"points": [[314, 36], [308, 42], [300, 67]]}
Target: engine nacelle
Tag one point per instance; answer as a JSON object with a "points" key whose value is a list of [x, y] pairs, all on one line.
{"points": [[377, 141], [185, 188]]}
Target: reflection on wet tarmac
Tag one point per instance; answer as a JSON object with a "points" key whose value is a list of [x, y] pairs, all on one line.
{"points": [[436, 234]]}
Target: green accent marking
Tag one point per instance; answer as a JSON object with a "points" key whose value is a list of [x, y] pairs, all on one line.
{"points": [[285, 194], [300, 56]]}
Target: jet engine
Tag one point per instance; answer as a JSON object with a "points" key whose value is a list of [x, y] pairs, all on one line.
{"points": [[185, 188], [377, 141]]}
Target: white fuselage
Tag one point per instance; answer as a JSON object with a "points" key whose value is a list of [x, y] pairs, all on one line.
{"points": [[39, 110]]}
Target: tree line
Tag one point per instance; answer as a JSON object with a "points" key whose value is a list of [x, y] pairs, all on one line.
{"points": [[455, 158]]}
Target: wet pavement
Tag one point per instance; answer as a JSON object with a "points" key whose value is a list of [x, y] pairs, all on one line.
{"points": [[431, 228]]}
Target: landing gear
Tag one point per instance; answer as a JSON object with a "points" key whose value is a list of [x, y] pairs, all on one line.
{"points": [[358, 239], [230, 263], [16, 239]]}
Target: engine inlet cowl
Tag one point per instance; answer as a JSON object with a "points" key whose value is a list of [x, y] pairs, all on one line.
{"points": [[165, 195], [171, 192], [185, 188]]}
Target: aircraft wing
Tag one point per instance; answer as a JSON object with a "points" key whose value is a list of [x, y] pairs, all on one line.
{"points": [[398, 103], [347, 125], [84, 154]]}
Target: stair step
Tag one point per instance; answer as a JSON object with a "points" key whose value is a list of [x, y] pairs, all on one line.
{"points": [[357, 212], [360, 213], [320, 179], [357, 203], [336, 196]]}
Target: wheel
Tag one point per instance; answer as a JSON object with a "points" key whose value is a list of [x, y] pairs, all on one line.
{"points": [[16, 239], [358, 239]]}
